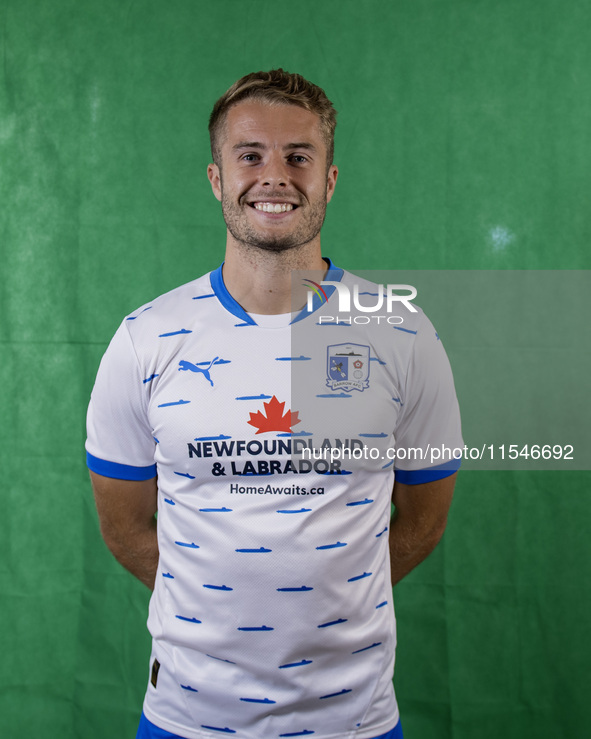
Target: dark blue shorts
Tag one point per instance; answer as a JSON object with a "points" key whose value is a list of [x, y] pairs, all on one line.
{"points": [[147, 730]]}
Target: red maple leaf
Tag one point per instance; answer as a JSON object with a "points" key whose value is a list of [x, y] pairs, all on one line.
{"points": [[275, 419]]}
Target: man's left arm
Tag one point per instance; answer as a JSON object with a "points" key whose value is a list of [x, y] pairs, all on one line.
{"points": [[418, 522]]}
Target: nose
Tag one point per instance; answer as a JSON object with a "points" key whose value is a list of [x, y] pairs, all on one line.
{"points": [[275, 172]]}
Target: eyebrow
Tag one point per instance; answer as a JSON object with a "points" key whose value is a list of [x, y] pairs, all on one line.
{"points": [[259, 145]]}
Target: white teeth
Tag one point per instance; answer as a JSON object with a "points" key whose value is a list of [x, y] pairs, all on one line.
{"points": [[273, 207]]}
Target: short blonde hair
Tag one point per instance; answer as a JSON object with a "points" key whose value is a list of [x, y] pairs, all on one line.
{"points": [[276, 87]]}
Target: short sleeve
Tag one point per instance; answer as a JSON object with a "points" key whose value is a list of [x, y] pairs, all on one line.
{"points": [[428, 436], [119, 440]]}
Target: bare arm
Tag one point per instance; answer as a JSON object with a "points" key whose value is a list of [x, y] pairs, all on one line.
{"points": [[126, 514], [418, 522]]}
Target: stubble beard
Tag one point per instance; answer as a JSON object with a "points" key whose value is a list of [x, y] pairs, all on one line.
{"points": [[243, 232]]}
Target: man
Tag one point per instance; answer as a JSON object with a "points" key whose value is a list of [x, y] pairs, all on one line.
{"points": [[272, 608]]}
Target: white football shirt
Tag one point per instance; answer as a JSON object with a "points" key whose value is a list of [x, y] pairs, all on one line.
{"points": [[272, 614]]}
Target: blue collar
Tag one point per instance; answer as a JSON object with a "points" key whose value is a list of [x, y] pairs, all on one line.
{"points": [[334, 274]]}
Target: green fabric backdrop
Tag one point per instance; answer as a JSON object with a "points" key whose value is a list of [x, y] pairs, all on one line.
{"points": [[463, 143]]}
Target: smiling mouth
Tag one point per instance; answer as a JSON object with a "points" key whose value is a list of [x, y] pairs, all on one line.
{"points": [[273, 207]]}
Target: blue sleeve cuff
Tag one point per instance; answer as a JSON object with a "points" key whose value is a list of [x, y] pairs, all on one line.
{"points": [[119, 471], [439, 472]]}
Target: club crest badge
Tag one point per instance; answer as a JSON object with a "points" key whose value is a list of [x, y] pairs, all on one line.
{"points": [[347, 367]]}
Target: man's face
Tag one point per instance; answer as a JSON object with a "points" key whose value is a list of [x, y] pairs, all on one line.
{"points": [[273, 182]]}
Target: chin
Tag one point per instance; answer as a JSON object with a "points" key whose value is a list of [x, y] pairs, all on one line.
{"points": [[276, 246]]}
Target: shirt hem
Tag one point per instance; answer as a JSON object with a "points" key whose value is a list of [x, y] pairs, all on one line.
{"points": [[174, 728]]}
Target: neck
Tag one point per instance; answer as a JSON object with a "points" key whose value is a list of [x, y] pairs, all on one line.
{"points": [[261, 281]]}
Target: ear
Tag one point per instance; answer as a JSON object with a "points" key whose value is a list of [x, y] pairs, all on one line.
{"points": [[331, 181], [213, 175]]}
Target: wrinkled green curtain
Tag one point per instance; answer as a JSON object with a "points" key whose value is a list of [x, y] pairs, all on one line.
{"points": [[463, 143]]}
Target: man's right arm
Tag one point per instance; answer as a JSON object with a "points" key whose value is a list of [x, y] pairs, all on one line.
{"points": [[126, 510]]}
